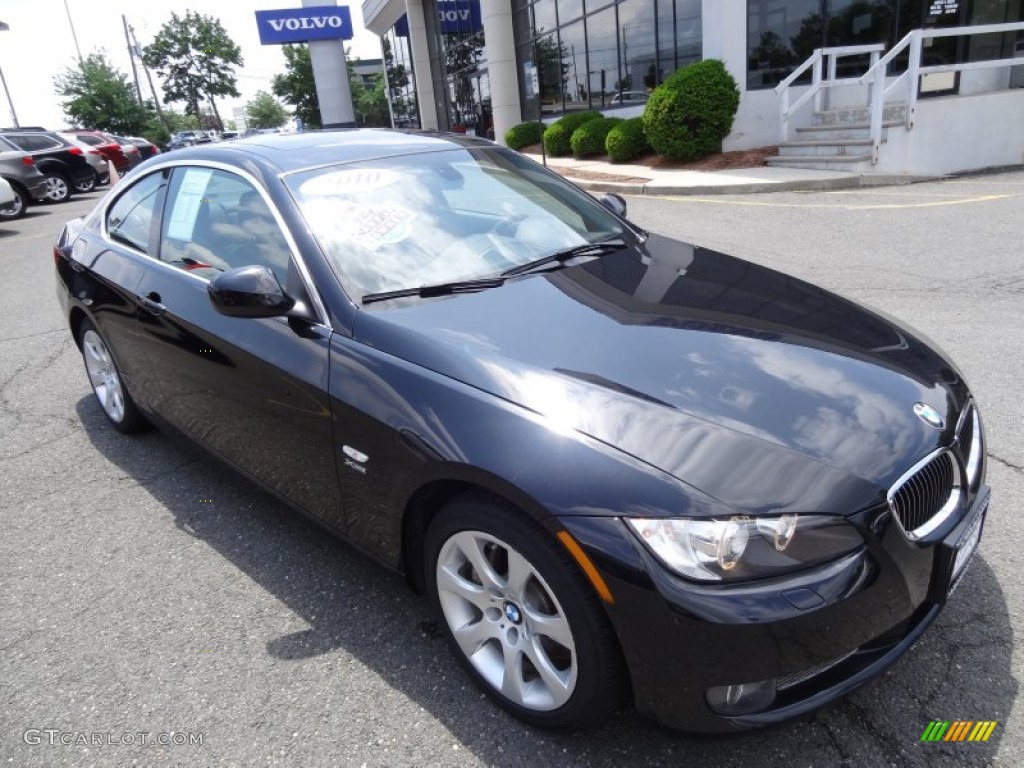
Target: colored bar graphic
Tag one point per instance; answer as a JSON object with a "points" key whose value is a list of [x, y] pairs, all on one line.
{"points": [[958, 730]]}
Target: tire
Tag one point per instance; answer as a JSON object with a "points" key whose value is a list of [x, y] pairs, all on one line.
{"points": [[520, 616], [58, 188], [18, 207], [105, 379], [86, 186]]}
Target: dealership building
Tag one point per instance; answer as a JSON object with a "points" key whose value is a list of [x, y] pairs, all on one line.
{"points": [[480, 65]]}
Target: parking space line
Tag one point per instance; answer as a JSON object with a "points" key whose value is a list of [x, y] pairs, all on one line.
{"points": [[834, 206], [4, 241]]}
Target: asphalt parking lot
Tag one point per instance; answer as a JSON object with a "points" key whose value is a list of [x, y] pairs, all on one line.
{"points": [[155, 602]]}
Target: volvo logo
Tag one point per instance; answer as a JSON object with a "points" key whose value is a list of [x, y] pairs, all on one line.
{"points": [[929, 415], [512, 613]]}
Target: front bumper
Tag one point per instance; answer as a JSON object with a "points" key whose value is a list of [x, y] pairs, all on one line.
{"points": [[808, 639]]}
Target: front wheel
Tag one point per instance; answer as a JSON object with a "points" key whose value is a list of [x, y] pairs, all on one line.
{"points": [[520, 616], [87, 185], [16, 209], [105, 379]]}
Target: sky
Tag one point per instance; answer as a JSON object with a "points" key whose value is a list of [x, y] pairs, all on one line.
{"points": [[39, 45]]}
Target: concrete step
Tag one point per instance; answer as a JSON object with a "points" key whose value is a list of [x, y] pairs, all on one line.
{"points": [[834, 142], [845, 115], [866, 126], [822, 162], [837, 148]]}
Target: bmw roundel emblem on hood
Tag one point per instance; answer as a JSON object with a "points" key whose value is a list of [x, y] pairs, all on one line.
{"points": [[929, 415]]}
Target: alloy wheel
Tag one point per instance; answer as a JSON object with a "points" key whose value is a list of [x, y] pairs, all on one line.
{"points": [[103, 376], [506, 620], [57, 189]]}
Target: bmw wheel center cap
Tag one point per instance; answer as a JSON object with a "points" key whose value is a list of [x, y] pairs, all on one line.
{"points": [[513, 613]]}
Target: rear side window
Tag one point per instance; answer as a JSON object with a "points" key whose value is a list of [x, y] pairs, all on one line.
{"points": [[130, 218], [34, 143], [90, 139]]}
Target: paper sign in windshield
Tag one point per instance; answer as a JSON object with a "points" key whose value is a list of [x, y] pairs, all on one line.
{"points": [[382, 225]]}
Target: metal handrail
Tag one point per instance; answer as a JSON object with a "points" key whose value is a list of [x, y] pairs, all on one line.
{"points": [[819, 83], [914, 40]]}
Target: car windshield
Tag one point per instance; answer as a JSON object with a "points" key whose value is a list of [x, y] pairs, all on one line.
{"points": [[430, 218]]}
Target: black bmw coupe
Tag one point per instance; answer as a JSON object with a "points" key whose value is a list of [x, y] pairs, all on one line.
{"points": [[620, 467]]}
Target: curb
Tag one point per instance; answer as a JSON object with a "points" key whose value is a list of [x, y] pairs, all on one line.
{"points": [[748, 188]]}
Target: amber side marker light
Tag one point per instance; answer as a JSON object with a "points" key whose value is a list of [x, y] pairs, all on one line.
{"points": [[588, 567]]}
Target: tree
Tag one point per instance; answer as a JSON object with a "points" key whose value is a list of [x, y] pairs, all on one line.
{"points": [[264, 111], [196, 60], [96, 95], [296, 86]]}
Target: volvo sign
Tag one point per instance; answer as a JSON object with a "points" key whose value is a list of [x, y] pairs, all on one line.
{"points": [[299, 25], [459, 16]]}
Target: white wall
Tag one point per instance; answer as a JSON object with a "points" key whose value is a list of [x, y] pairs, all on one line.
{"points": [[948, 131]]}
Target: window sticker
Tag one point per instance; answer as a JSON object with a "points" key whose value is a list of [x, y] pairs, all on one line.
{"points": [[191, 194], [349, 182], [382, 225]]}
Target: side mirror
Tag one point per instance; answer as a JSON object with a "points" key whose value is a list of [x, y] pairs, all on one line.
{"points": [[614, 203], [252, 291]]}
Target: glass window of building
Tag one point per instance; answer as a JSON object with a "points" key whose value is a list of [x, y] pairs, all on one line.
{"points": [[781, 34], [401, 79], [600, 54], [463, 64]]}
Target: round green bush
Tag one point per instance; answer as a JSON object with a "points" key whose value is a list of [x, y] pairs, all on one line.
{"points": [[558, 135], [689, 115], [589, 138], [627, 141], [523, 135]]}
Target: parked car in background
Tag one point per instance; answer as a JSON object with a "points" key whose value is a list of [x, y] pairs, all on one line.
{"points": [[146, 148], [108, 146], [62, 163], [617, 464], [629, 97], [188, 139], [19, 169], [96, 160], [228, 135], [129, 149]]}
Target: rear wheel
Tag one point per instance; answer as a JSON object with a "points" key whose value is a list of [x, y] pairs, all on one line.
{"points": [[105, 379], [58, 188], [520, 616]]}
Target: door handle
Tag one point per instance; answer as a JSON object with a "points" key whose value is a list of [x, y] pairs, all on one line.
{"points": [[151, 301]]}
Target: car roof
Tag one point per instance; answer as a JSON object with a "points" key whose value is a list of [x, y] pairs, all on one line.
{"points": [[312, 149]]}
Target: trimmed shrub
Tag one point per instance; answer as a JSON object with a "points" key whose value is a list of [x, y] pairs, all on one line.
{"points": [[523, 135], [626, 141], [589, 138], [558, 135], [689, 115]]}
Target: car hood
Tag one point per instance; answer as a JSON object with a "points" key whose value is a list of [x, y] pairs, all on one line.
{"points": [[757, 388]]}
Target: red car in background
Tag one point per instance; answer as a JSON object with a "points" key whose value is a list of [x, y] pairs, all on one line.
{"points": [[108, 146]]}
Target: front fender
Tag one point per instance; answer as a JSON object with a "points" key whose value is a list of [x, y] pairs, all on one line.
{"points": [[417, 427]]}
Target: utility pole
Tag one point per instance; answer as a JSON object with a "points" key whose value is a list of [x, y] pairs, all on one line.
{"points": [[4, 27], [149, 78], [131, 55], [73, 35]]}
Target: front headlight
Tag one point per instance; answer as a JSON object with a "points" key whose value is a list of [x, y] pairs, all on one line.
{"points": [[745, 547]]}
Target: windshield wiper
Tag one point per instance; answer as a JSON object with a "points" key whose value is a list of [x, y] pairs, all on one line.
{"points": [[599, 248], [440, 289]]}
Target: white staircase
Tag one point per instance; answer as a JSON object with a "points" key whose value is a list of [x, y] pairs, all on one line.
{"points": [[838, 139], [855, 136]]}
